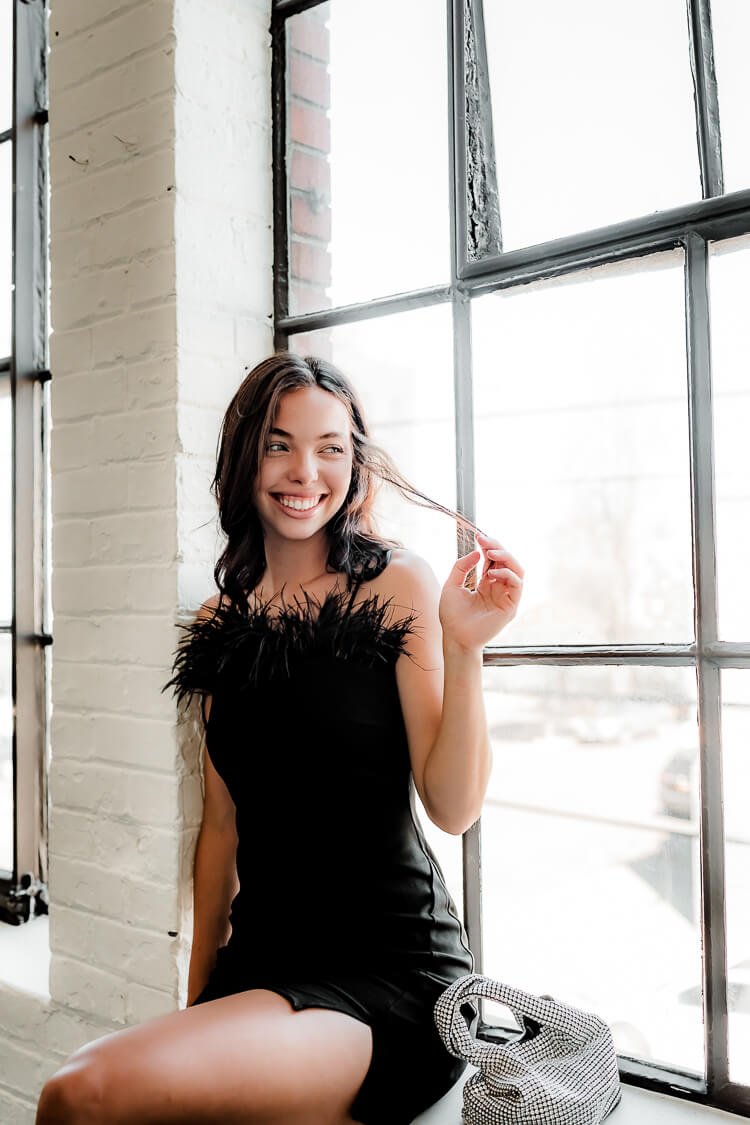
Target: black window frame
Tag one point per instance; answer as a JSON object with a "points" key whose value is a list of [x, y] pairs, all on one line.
{"points": [[23, 891], [479, 266]]}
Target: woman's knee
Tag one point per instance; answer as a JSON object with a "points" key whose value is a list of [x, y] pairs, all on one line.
{"points": [[252, 1059], [74, 1095]]}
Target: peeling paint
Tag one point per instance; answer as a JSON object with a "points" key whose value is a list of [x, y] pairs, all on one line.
{"points": [[484, 233]]}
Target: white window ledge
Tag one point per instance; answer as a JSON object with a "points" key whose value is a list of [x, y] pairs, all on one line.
{"points": [[24, 964], [637, 1107], [25, 956]]}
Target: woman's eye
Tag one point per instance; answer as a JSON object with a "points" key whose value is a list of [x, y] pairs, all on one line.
{"points": [[273, 446]]}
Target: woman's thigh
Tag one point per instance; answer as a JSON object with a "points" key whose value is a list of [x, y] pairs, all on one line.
{"points": [[244, 1058]]}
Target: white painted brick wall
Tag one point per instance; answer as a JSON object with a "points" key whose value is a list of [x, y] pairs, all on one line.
{"points": [[161, 259], [223, 220]]}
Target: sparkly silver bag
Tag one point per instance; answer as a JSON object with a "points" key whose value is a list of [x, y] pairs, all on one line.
{"points": [[562, 1070]]}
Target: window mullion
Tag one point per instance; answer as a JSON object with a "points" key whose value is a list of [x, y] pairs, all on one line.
{"points": [[673, 655], [283, 9], [366, 310], [482, 230], [463, 406], [466, 503], [662, 230], [457, 136], [706, 97], [28, 362], [729, 654], [713, 919], [280, 193]]}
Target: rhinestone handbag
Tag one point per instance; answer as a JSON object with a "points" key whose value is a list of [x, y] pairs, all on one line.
{"points": [[562, 1070]]}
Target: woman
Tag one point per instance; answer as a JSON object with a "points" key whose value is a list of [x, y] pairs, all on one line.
{"points": [[332, 670]]}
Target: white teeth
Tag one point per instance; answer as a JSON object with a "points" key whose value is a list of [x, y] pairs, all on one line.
{"points": [[299, 505]]}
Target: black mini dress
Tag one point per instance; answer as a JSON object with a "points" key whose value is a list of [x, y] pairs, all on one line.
{"points": [[342, 903]]}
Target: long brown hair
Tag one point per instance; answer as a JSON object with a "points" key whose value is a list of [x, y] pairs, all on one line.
{"points": [[356, 549]]}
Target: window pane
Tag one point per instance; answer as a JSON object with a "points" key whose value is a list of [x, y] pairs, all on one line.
{"points": [[6, 65], [6, 525], [366, 151], [402, 368], [590, 848], [731, 28], [6, 245], [592, 112], [735, 691], [729, 264], [6, 757], [582, 453]]}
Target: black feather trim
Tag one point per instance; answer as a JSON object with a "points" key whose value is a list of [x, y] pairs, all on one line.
{"points": [[245, 648]]}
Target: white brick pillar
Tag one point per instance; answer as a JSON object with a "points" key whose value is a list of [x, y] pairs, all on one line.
{"points": [[161, 293], [224, 244]]}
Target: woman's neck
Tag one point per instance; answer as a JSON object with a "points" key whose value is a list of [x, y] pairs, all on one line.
{"points": [[294, 566]]}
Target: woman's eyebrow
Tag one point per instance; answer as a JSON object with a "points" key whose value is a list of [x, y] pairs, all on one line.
{"points": [[285, 433]]}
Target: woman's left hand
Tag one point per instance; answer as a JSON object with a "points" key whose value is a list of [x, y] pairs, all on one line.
{"points": [[471, 618]]}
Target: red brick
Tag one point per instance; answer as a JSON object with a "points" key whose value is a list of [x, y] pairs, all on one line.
{"points": [[309, 80], [310, 36], [307, 299], [315, 222], [311, 263], [309, 173], [309, 127]]}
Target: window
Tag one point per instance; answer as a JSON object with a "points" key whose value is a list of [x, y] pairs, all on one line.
{"points": [[24, 608], [524, 229]]}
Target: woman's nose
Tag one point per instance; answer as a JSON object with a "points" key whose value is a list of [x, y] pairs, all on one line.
{"points": [[304, 468]]}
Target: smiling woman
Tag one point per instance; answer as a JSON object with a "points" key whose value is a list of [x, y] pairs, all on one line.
{"points": [[295, 432], [304, 476], [332, 671]]}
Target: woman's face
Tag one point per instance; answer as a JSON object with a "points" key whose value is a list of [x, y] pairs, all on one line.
{"points": [[306, 467]]}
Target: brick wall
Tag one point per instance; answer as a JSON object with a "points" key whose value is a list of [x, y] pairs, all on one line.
{"points": [[161, 292]]}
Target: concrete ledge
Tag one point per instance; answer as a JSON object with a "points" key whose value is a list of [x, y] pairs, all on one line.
{"points": [[638, 1107], [24, 965], [25, 956]]}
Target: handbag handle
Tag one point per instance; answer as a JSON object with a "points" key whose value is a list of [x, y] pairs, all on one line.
{"points": [[555, 1015]]}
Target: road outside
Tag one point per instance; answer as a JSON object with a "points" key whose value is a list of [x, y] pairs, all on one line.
{"points": [[590, 886]]}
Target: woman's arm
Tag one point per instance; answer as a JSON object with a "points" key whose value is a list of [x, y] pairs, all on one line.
{"points": [[215, 880], [440, 687]]}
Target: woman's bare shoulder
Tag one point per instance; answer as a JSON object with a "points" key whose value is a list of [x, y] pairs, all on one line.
{"points": [[414, 592], [408, 579], [209, 607]]}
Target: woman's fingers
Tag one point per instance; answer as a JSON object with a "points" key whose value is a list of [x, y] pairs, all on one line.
{"points": [[503, 574], [505, 587], [461, 568], [505, 558], [495, 551], [499, 565], [487, 541]]}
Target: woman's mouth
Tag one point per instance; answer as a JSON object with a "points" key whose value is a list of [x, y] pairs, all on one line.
{"points": [[298, 505]]}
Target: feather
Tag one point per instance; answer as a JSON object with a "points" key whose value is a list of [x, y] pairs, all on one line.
{"points": [[246, 647]]}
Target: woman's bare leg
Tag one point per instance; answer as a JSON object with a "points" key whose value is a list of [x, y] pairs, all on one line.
{"points": [[241, 1060]]}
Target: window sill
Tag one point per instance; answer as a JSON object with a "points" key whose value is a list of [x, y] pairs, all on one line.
{"points": [[24, 964], [25, 956], [638, 1107]]}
